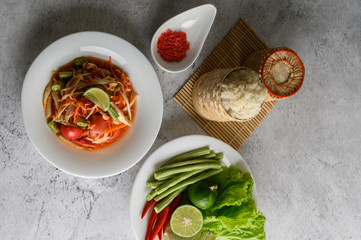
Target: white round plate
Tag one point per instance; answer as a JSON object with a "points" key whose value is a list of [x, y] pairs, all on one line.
{"points": [[165, 152], [128, 150]]}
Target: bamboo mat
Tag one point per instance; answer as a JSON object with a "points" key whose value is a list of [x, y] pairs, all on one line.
{"points": [[240, 42]]}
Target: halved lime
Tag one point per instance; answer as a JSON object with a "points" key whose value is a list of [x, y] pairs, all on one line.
{"points": [[99, 97], [186, 221]]}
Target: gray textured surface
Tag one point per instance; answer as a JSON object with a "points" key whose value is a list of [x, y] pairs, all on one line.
{"points": [[305, 156]]}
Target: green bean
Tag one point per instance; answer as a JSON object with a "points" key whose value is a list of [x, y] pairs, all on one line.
{"points": [[52, 125], [168, 177], [202, 166], [65, 74], [57, 85], [219, 156], [211, 155], [78, 62], [184, 163], [188, 182], [82, 124], [189, 155], [174, 181], [168, 200], [151, 195], [154, 193], [154, 184]]}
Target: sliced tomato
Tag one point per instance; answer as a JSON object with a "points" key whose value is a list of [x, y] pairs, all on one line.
{"points": [[98, 126], [70, 132]]}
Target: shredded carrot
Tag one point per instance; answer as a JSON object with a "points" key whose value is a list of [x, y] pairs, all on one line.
{"points": [[82, 107], [123, 78], [68, 103], [76, 112], [111, 68], [111, 132], [85, 133], [120, 101], [79, 105], [111, 129]]}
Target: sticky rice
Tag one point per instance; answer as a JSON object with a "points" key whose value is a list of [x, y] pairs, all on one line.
{"points": [[242, 94]]}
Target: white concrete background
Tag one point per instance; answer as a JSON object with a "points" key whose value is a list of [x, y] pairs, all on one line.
{"points": [[305, 156]]}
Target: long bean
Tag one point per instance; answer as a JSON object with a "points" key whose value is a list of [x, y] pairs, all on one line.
{"points": [[151, 195], [219, 156], [175, 181], [211, 155], [168, 200], [189, 155], [169, 177], [65, 74], [78, 61], [52, 125], [187, 182], [155, 184], [171, 183], [202, 166], [187, 162], [57, 85], [82, 123]]}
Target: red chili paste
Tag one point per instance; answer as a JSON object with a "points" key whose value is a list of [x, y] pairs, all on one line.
{"points": [[173, 46]]}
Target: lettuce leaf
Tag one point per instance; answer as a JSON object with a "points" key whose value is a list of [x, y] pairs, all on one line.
{"points": [[234, 214], [228, 176], [254, 232], [235, 193]]}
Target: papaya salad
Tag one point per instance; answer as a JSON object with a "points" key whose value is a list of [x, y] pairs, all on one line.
{"points": [[89, 103]]}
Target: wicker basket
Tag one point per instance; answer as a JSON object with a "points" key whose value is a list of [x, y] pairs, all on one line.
{"points": [[206, 96], [280, 69]]}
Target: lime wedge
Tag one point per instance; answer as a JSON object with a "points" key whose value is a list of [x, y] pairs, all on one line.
{"points": [[186, 221], [99, 97]]}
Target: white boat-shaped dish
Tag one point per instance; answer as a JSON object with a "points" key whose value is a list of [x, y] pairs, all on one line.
{"points": [[196, 23]]}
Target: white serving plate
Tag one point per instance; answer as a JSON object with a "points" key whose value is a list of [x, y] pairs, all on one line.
{"points": [[134, 145], [165, 152]]}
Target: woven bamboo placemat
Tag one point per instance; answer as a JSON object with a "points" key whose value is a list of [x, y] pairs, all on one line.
{"points": [[239, 43]]}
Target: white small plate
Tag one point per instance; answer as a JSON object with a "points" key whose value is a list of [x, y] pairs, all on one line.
{"points": [[130, 148], [168, 150], [196, 23]]}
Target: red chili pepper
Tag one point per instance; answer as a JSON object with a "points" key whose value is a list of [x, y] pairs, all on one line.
{"points": [[172, 207], [159, 223], [160, 235], [147, 206], [151, 221]]}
